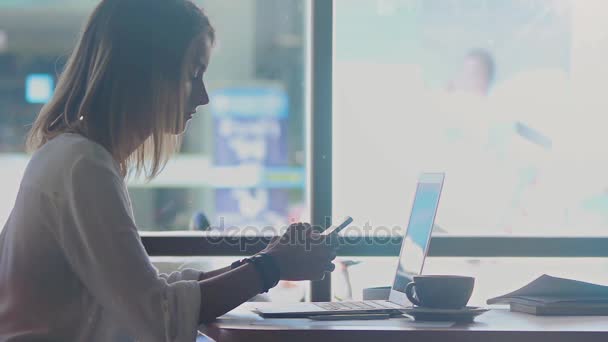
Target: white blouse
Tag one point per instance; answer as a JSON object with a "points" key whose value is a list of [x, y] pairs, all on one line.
{"points": [[72, 265]]}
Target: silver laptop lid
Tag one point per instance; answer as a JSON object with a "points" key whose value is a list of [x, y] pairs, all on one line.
{"points": [[415, 243]]}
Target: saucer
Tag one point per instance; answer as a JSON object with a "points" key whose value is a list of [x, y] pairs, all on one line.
{"points": [[465, 315]]}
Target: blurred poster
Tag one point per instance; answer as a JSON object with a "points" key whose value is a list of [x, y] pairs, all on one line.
{"points": [[250, 135]]}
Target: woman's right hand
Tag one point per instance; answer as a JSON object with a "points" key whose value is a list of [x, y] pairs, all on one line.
{"points": [[302, 253]]}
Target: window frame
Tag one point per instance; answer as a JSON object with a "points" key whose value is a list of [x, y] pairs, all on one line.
{"points": [[207, 244]]}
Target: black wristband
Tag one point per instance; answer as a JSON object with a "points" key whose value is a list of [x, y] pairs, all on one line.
{"points": [[268, 269], [237, 264], [273, 267]]}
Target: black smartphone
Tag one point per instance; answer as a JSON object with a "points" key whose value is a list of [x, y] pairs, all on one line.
{"points": [[336, 229]]}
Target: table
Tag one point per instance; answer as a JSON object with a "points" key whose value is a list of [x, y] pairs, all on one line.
{"points": [[498, 325]]}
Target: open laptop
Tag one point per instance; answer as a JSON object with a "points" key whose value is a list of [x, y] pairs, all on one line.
{"points": [[414, 249]]}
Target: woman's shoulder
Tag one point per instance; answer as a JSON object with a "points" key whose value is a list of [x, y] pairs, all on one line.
{"points": [[68, 153], [68, 149]]}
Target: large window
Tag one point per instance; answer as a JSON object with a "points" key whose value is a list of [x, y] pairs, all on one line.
{"points": [[243, 160], [507, 97]]}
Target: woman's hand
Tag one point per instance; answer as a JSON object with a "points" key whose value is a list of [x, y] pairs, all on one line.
{"points": [[302, 253]]}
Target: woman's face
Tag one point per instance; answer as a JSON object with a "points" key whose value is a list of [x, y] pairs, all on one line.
{"points": [[196, 92]]}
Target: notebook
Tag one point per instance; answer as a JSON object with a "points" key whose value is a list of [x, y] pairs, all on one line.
{"points": [[549, 295]]}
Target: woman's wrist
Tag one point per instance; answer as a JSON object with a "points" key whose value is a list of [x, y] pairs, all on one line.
{"points": [[266, 266], [272, 267], [237, 264]]}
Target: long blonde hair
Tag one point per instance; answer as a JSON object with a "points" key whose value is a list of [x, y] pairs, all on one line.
{"points": [[124, 83]]}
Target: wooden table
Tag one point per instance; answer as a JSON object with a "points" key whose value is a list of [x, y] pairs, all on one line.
{"points": [[498, 325]]}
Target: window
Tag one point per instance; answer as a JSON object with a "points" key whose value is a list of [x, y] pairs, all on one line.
{"points": [[242, 164], [508, 98]]}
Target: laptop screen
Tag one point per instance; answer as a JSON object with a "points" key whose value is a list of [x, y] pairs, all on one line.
{"points": [[418, 233]]}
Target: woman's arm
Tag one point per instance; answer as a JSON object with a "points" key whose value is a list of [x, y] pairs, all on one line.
{"points": [[224, 292], [214, 273], [300, 254], [99, 240]]}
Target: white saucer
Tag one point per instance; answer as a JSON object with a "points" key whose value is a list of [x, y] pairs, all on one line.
{"points": [[466, 314]]}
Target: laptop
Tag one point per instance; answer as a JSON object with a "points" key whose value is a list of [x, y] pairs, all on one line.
{"points": [[414, 249]]}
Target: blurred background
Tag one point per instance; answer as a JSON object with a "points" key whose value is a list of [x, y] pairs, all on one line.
{"points": [[507, 97], [243, 156]]}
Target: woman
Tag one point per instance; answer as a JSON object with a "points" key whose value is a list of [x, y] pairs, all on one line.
{"points": [[72, 267]]}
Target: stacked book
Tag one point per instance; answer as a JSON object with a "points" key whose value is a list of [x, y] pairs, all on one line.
{"points": [[553, 296]]}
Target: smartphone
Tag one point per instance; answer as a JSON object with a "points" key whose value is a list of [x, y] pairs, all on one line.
{"points": [[336, 229]]}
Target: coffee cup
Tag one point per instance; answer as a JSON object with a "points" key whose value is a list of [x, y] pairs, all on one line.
{"points": [[440, 291]]}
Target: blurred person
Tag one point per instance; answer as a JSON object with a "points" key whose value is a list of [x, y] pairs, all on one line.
{"points": [[497, 151], [477, 73], [72, 265], [466, 109], [477, 143], [464, 103]]}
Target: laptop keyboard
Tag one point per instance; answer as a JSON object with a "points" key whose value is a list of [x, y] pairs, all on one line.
{"points": [[349, 306]]}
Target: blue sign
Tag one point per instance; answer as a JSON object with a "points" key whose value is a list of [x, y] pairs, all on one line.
{"points": [[250, 126], [250, 129]]}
